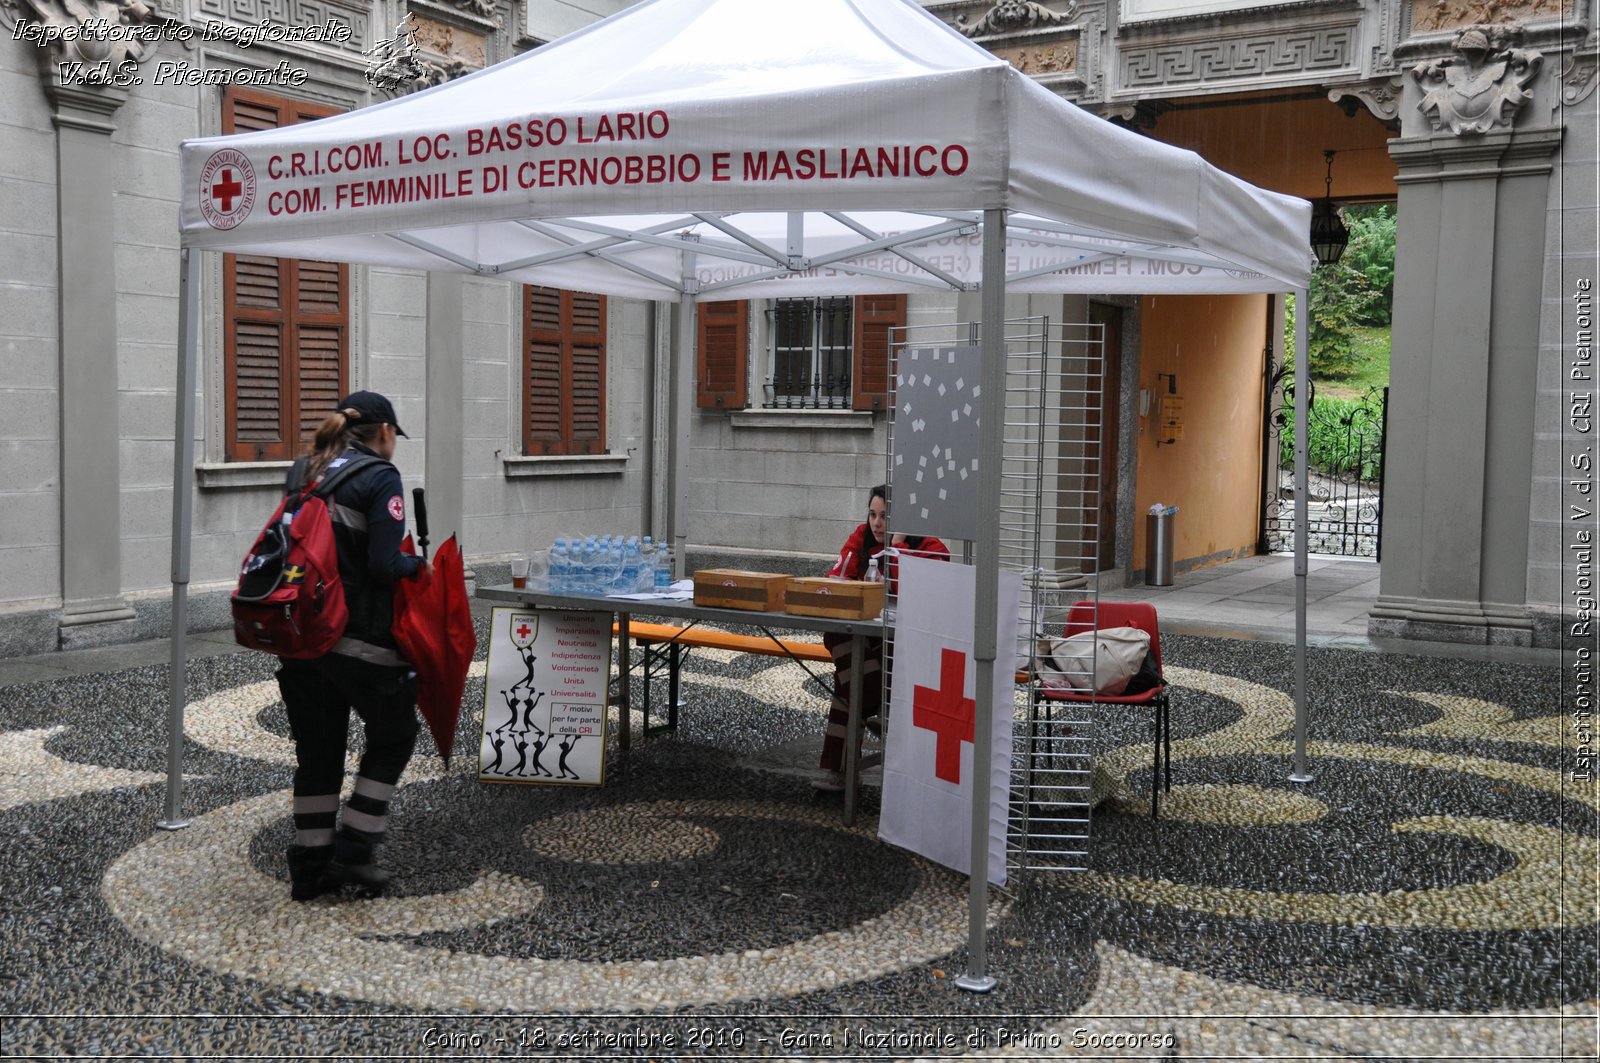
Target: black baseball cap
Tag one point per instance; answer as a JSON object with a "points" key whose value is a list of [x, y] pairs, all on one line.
{"points": [[372, 407]]}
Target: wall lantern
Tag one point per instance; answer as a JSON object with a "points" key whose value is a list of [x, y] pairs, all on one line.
{"points": [[1328, 234]]}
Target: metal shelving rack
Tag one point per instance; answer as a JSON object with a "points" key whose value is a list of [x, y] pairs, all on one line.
{"points": [[1050, 536]]}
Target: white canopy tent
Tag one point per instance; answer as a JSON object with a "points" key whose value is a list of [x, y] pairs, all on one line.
{"points": [[730, 149]]}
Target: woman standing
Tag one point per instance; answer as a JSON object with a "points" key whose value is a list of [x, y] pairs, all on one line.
{"points": [[364, 671], [864, 546]]}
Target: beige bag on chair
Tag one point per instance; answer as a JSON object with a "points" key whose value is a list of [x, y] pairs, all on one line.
{"points": [[1111, 656]]}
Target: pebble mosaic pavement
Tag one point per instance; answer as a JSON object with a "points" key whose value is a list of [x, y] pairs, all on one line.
{"points": [[1431, 894]]}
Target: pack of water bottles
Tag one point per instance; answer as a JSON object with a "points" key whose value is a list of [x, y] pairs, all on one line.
{"points": [[609, 564]]}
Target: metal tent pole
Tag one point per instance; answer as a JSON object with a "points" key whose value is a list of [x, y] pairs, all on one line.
{"points": [[992, 349], [182, 524], [683, 386], [1302, 486]]}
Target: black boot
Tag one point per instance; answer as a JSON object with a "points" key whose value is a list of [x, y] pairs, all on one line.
{"points": [[352, 862], [308, 867]]}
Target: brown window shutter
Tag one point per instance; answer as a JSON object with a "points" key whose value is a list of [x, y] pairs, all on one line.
{"points": [[320, 328], [721, 352], [564, 340], [256, 372], [875, 315], [286, 322], [586, 425]]}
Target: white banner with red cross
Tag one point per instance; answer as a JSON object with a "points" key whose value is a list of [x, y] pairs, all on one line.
{"points": [[928, 758]]}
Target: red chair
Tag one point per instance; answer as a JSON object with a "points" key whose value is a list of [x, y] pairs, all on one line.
{"points": [[1080, 618]]}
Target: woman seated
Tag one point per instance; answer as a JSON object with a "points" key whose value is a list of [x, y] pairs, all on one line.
{"points": [[869, 543]]}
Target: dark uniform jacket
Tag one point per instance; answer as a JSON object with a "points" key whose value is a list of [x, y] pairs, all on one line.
{"points": [[368, 511]]}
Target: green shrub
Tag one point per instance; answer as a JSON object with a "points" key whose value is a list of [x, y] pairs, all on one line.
{"points": [[1341, 430]]}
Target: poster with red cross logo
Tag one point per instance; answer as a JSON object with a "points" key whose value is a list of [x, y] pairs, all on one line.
{"points": [[931, 747], [544, 699]]}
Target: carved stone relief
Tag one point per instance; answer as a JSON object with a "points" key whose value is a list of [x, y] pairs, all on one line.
{"points": [[1202, 62], [294, 13], [1484, 85], [88, 43], [451, 42], [432, 73], [1058, 58], [480, 8], [1009, 16], [482, 16], [1578, 80], [1432, 16], [1380, 96]]}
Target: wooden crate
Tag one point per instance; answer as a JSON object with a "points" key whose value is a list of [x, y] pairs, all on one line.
{"points": [[733, 588], [842, 599]]}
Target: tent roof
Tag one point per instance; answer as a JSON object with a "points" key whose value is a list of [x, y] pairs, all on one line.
{"points": [[793, 145]]}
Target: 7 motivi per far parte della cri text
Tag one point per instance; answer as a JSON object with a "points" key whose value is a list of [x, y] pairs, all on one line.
{"points": [[124, 72]]}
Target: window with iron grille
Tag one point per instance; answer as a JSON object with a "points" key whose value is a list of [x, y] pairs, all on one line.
{"points": [[809, 354], [805, 354]]}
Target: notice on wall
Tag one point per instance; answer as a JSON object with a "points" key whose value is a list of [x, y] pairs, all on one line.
{"points": [[1170, 427], [544, 704]]}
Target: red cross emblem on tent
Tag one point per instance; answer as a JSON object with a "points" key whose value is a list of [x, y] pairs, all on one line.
{"points": [[947, 713], [227, 189]]}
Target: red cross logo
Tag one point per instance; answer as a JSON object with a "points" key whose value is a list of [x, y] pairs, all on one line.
{"points": [[227, 189], [524, 631], [946, 713]]}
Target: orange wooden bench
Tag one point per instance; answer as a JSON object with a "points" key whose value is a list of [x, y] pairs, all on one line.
{"points": [[666, 643]]}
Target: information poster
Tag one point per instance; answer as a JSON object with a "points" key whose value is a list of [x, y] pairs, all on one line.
{"points": [[544, 704], [936, 436]]}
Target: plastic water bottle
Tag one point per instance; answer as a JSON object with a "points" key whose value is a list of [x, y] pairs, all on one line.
{"points": [[663, 569], [595, 581], [588, 567], [647, 566], [873, 575], [560, 567], [628, 582], [616, 564]]}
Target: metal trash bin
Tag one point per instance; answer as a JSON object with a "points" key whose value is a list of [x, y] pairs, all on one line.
{"points": [[1158, 550]]}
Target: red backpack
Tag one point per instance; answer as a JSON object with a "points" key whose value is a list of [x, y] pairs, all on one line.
{"points": [[290, 601]]}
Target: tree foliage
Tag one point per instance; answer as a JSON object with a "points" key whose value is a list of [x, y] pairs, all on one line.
{"points": [[1356, 290], [1371, 254]]}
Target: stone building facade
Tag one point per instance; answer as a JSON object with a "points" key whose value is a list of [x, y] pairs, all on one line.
{"points": [[1477, 118]]}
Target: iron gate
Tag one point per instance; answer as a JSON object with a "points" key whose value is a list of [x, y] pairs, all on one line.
{"points": [[1345, 451]]}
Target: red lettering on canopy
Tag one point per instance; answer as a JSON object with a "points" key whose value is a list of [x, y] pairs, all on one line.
{"points": [[946, 713]]}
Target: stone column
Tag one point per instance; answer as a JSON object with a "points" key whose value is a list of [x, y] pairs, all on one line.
{"points": [[93, 611], [86, 68], [1469, 253]]}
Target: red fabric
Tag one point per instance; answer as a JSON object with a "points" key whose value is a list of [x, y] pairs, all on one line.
{"points": [[1142, 615], [433, 625], [854, 555], [304, 614], [932, 547]]}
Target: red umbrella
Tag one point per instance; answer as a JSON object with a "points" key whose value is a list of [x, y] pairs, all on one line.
{"points": [[433, 625]]}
